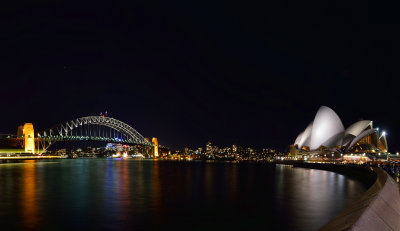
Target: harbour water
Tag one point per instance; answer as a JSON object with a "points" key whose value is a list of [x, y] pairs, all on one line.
{"points": [[106, 194]]}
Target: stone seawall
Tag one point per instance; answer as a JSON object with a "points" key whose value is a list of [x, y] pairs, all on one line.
{"points": [[377, 209]]}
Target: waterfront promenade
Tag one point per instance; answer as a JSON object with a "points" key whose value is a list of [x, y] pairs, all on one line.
{"points": [[376, 209], [28, 156]]}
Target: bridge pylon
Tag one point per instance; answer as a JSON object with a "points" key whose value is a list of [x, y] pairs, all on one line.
{"points": [[155, 143], [29, 136]]}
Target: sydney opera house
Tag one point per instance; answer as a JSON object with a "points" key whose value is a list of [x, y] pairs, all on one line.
{"points": [[327, 134]]}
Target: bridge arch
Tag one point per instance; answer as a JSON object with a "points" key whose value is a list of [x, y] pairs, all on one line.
{"points": [[91, 128]]}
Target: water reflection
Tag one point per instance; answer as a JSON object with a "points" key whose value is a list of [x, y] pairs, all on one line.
{"points": [[156, 188], [232, 179], [29, 207], [152, 195], [125, 194], [308, 193]]}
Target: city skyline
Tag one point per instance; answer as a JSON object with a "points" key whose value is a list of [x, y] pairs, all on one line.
{"points": [[199, 115], [188, 73]]}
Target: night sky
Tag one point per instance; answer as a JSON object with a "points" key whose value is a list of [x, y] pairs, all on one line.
{"points": [[189, 72]]}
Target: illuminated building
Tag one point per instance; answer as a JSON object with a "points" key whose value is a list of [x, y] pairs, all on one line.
{"points": [[29, 136], [327, 133], [110, 146], [234, 148], [155, 143], [293, 150], [208, 147]]}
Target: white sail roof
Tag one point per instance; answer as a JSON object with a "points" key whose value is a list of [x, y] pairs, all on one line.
{"points": [[327, 130], [297, 141], [326, 126], [305, 138], [358, 127]]}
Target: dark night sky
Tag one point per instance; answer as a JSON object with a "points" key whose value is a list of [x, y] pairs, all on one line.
{"points": [[189, 72]]}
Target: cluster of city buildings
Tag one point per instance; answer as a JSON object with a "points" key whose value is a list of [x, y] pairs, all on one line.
{"points": [[234, 152], [109, 150], [208, 152]]}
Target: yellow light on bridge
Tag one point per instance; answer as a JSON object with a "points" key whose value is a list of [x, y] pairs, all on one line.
{"points": [[29, 135], [155, 142]]}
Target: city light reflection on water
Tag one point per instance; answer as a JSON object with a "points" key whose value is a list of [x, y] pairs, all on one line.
{"points": [[309, 193], [102, 194], [28, 200]]}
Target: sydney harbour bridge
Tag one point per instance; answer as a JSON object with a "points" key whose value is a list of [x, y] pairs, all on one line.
{"points": [[89, 128]]}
